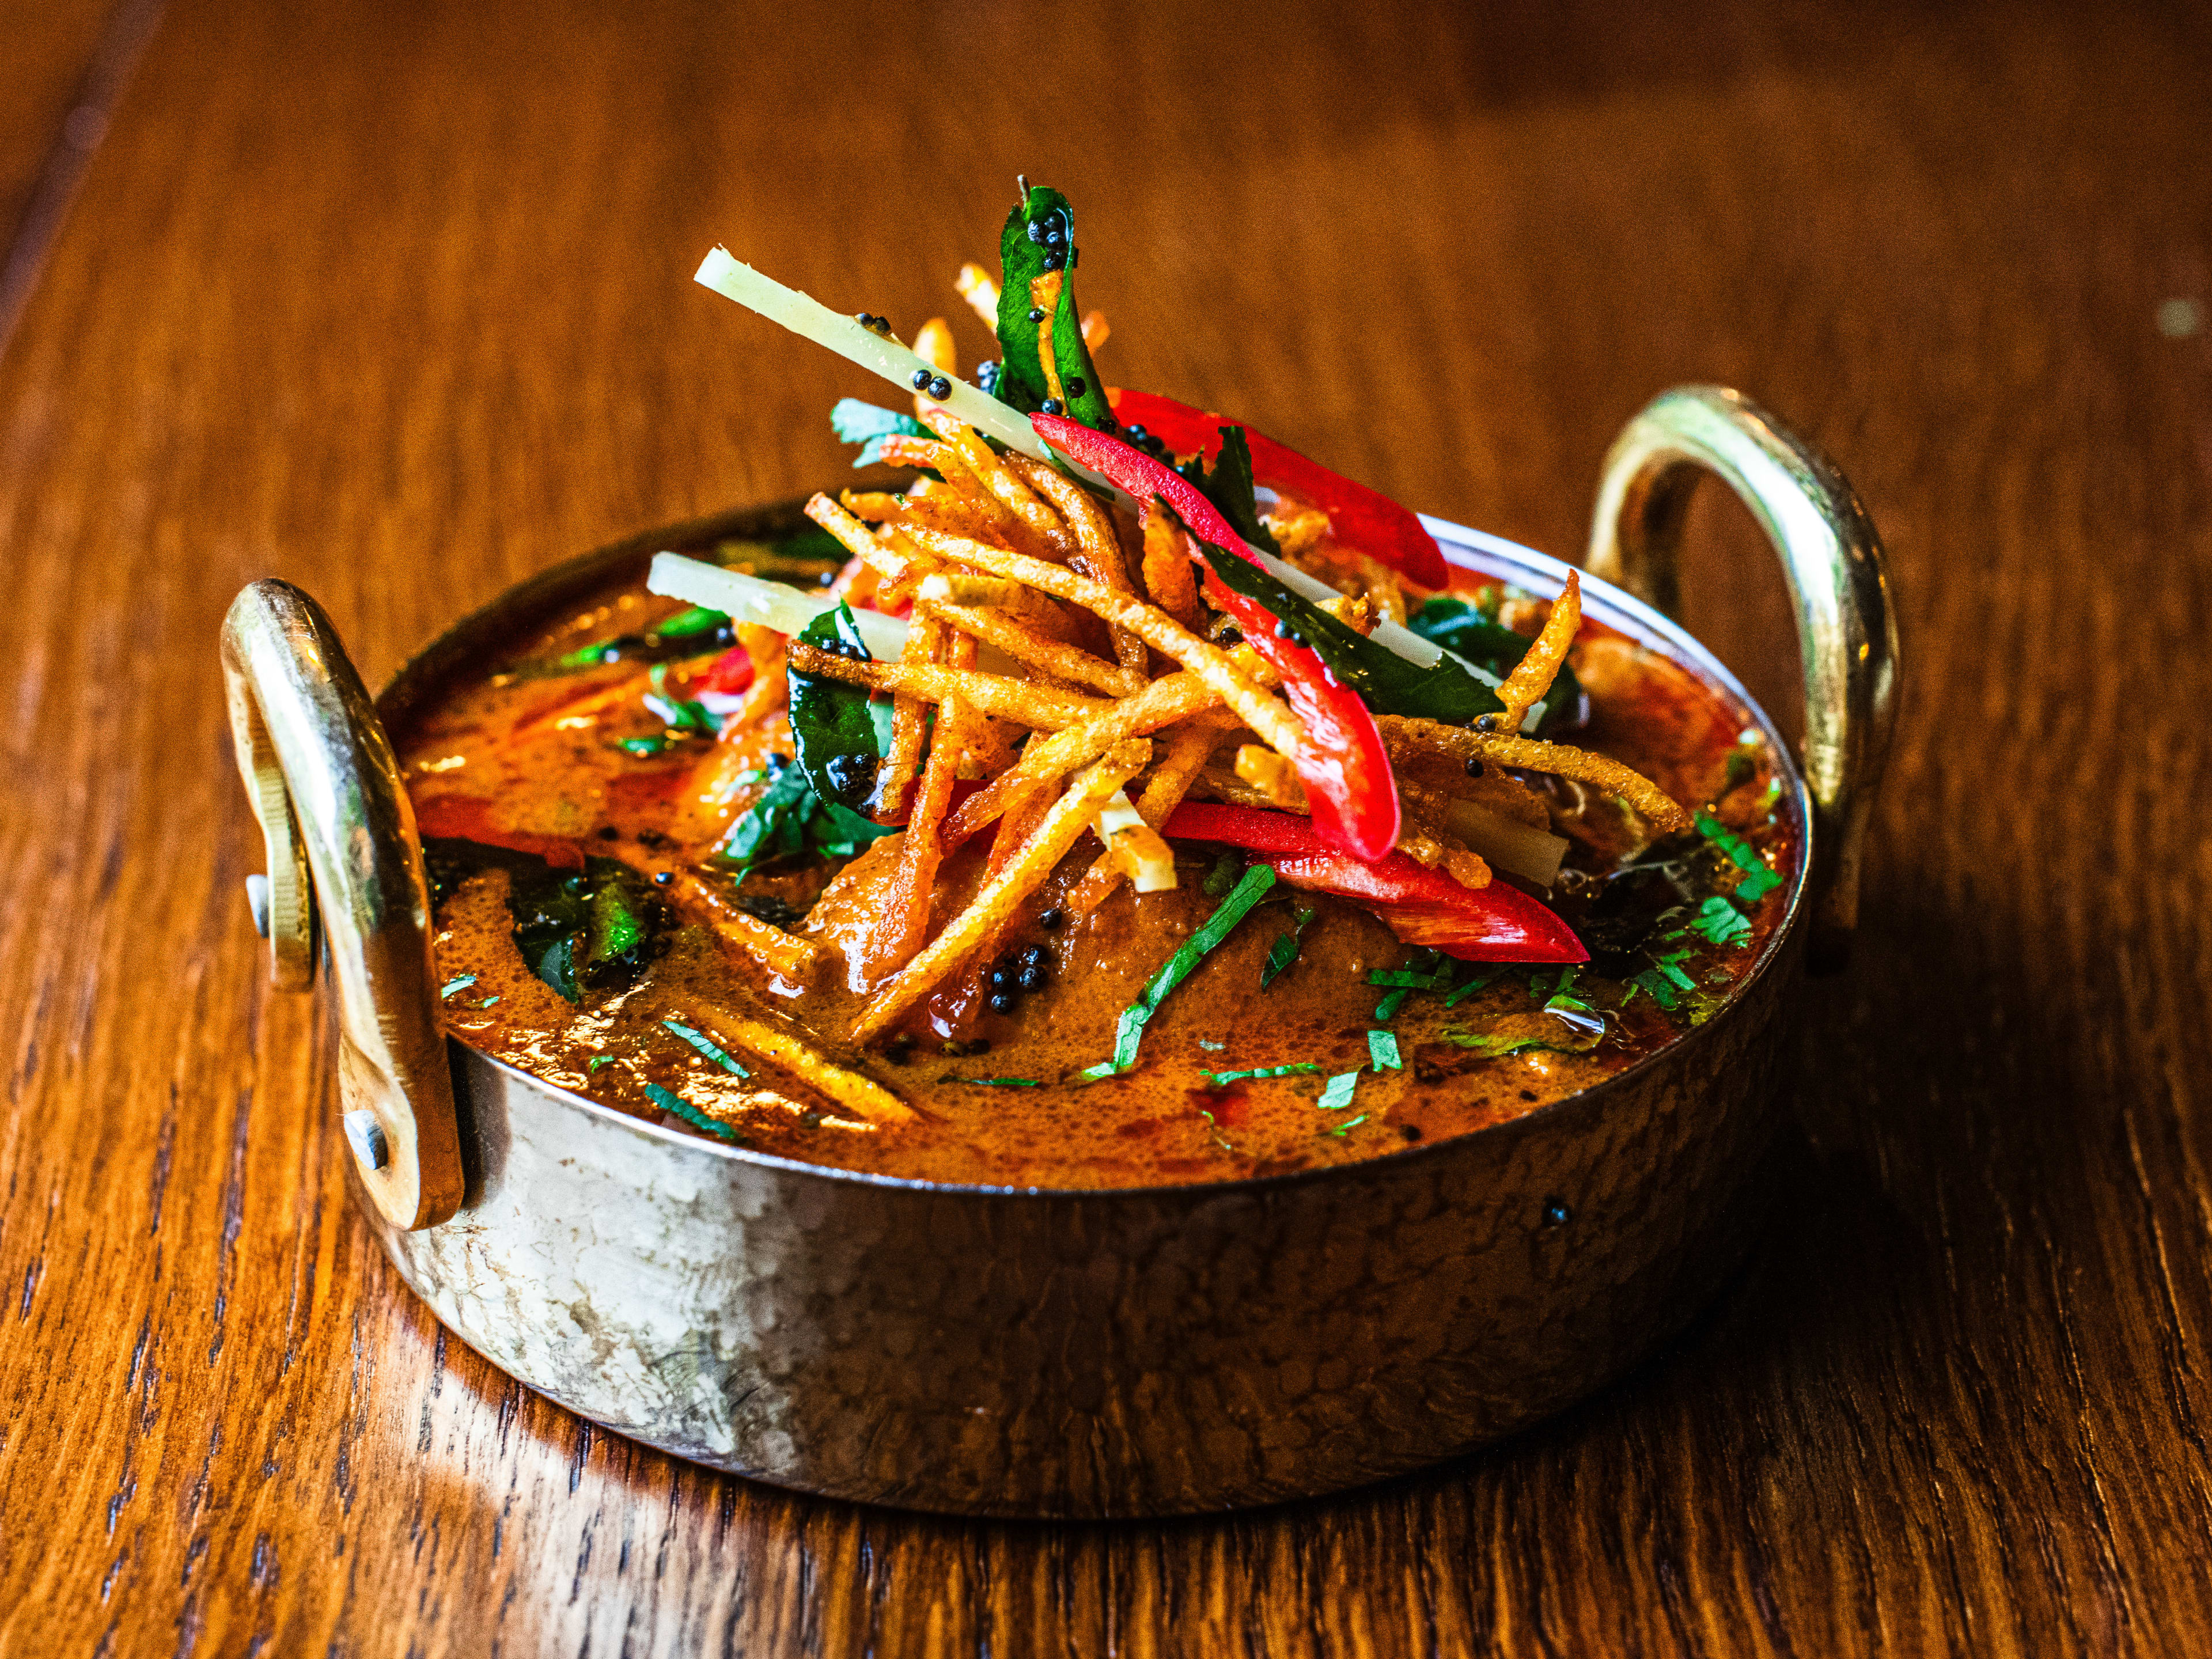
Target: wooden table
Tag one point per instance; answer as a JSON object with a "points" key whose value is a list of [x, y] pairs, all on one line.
{"points": [[393, 302]]}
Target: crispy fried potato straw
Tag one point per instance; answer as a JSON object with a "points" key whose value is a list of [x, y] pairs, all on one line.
{"points": [[980, 290], [1037, 707], [1000, 483], [861, 542], [1098, 549], [1167, 570], [1386, 599], [922, 848], [1189, 746], [1274, 723], [1272, 776], [782, 953], [1431, 847], [1418, 737], [898, 449], [1296, 529], [1532, 676], [1025, 645], [923, 643], [1066, 823], [872, 506], [863, 1096], [1166, 701]]}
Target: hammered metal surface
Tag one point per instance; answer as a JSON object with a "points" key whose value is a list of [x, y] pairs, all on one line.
{"points": [[1078, 1354], [1146, 1352]]}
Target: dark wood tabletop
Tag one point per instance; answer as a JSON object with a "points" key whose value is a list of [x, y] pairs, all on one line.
{"points": [[393, 302]]}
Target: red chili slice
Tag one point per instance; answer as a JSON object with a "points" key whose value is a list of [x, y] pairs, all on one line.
{"points": [[1363, 518], [1496, 923], [728, 674], [1343, 764]]}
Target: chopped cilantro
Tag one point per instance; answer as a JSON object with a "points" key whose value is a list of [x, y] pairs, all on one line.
{"points": [[1391, 1003], [1661, 982], [1383, 1052], [1223, 875], [1719, 922], [1345, 1128], [459, 984], [1478, 982], [1223, 1079], [1285, 951], [486, 1002], [1336, 1093], [1411, 982], [596, 1061], [644, 748], [668, 1101], [1130, 1032], [1757, 880], [706, 1046], [1211, 1047]]}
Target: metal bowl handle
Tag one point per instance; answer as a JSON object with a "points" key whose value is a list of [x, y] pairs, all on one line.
{"points": [[1832, 560], [346, 867]]}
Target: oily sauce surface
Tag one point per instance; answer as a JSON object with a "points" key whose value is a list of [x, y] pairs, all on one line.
{"points": [[537, 763]]}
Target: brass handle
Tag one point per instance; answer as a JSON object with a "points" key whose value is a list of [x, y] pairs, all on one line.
{"points": [[346, 867], [1832, 560]]}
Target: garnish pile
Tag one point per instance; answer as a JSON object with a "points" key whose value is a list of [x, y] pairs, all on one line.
{"points": [[1102, 640]]}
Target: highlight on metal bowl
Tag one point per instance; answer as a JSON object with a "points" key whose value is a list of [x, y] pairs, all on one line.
{"points": [[1122, 798]]}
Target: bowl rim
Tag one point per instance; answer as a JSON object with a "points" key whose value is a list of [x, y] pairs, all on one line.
{"points": [[1464, 549]]}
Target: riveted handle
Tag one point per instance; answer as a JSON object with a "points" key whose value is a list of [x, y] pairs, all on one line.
{"points": [[1832, 560], [345, 870]]}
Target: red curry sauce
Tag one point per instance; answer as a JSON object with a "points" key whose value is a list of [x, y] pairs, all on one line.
{"points": [[537, 764]]}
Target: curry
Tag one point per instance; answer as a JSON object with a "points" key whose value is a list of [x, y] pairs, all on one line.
{"points": [[1122, 799]]}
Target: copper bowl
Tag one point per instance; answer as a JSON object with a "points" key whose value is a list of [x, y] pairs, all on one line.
{"points": [[998, 1350]]}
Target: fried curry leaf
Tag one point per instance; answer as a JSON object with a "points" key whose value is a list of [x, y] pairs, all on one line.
{"points": [[1466, 630], [790, 819], [830, 724], [1384, 680], [1229, 487], [1036, 290], [596, 928]]}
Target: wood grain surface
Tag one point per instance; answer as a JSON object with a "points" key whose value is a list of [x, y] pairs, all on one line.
{"points": [[393, 301]]}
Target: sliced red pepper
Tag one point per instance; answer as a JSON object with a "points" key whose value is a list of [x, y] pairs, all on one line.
{"points": [[1363, 518], [1342, 763], [1496, 923], [728, 674]]}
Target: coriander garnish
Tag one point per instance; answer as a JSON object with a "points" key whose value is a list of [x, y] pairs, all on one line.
{"points": [[1223, 1079], [706, 1046], [1130, 1032], [668, 1101]]}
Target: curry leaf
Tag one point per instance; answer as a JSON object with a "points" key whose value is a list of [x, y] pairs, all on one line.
{"points": [[1385, 681], [1037, 246], [1464, 630], [830, 724], [1229, 487]]}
